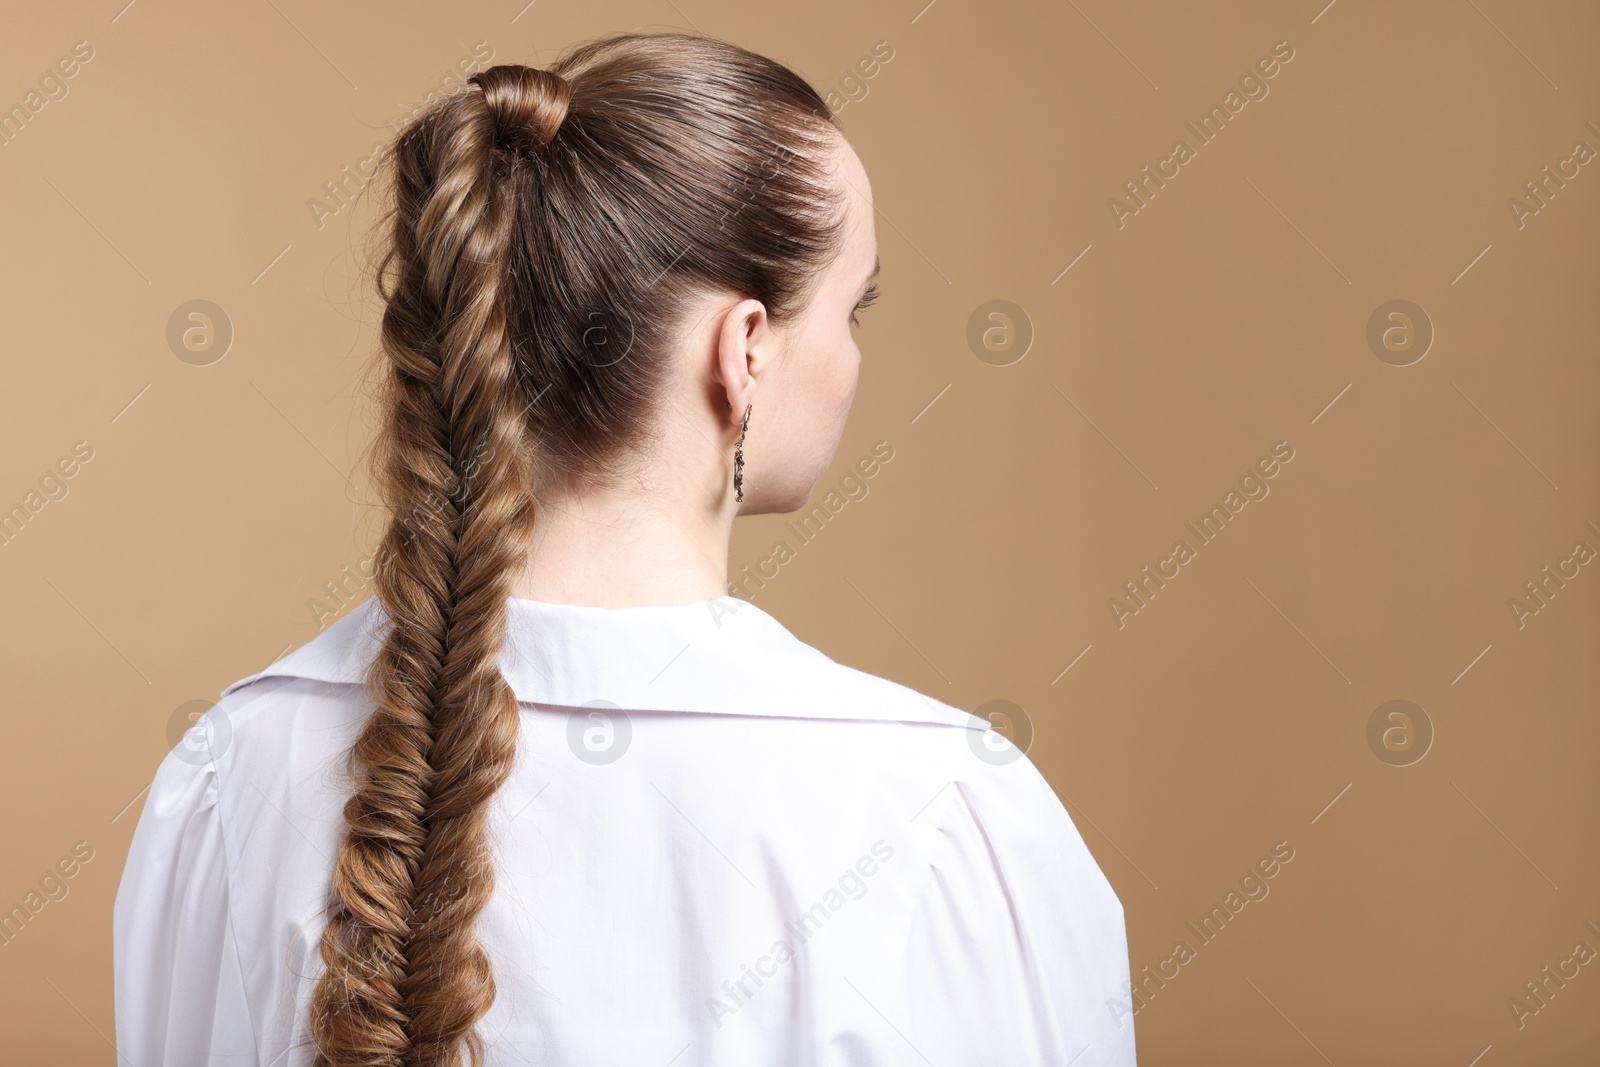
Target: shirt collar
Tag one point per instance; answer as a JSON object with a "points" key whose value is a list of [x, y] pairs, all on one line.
{"points": [[719, 656]]}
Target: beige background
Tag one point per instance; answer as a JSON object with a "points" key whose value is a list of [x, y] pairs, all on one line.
{"points": [[1228, 314]]}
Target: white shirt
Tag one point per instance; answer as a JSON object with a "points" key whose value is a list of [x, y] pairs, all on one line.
{"points": [[767, 858]]}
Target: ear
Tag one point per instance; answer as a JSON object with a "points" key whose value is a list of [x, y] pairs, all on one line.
{"points": [[746, 346]]}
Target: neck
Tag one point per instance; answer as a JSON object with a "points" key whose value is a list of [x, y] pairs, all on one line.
{"points": [[612, 550]]}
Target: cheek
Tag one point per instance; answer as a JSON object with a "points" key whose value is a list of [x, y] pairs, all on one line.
{"points": [[845, 371], [813, 404], [829, 392], [820, 386], [849, 375], [825, 383]]}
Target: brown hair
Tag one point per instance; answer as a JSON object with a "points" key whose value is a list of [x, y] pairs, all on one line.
{"points": [[547, 231]]}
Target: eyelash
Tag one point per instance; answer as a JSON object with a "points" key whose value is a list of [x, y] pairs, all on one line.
{"points": [[866, 301]]}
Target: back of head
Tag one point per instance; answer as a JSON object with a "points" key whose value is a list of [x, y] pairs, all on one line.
{"points": [[549, 230]]}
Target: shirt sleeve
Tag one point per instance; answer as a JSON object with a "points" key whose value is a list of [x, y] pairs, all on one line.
{"points": [[178, 988], [1018, 923]]}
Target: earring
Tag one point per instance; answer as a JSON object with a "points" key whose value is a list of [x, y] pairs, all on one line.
{"points": [[738, 457]]}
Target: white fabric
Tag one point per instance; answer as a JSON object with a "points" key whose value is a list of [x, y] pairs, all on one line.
{"points": [[791, 862]]}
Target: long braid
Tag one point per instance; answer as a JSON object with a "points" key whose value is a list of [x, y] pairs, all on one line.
{"points": [[406, 977]]}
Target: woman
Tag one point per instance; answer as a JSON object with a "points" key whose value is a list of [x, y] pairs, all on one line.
{"points": [[553, 796]]}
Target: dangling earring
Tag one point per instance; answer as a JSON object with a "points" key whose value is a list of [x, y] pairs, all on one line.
{"points": [[738, 457]]}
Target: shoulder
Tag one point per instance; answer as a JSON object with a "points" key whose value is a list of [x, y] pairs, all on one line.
{"points": [[860, 691], [970, 775], [788, 675], [982, 793], [300, 710], [272, 741]]}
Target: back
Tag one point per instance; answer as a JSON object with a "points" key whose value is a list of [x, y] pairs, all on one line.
{"points": [[718, 847]]}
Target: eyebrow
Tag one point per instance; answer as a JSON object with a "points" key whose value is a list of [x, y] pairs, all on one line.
{"points": [[877, 265]]}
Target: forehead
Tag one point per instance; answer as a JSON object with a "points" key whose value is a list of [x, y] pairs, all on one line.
{"points": [[860, 252]]}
